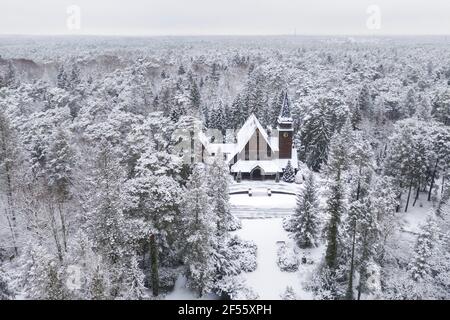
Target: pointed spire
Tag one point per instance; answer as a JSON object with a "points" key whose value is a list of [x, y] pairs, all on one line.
{"points": [[285, 112]]}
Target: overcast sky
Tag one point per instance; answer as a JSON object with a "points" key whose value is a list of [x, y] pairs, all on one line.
{"points": [[212, 17]]}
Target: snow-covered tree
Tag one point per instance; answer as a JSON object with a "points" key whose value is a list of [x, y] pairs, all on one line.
{"points": [[9, 162], [305, 221], [335, 209], [200, 225], [424, 250], [41, 275], [315, 136], [441, 108], [289, 173], [5, 292], [218, 190]]}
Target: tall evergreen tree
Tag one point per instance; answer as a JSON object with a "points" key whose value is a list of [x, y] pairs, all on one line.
{"points": [[289, 173], [9, 162], [200, 227], [315, 136], [441, 108], [5, 293], [218, 175], [426, 242], [305, 221], [335, 209]]}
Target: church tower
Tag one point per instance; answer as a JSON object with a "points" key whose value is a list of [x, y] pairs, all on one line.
{"points": [[285, 130]]}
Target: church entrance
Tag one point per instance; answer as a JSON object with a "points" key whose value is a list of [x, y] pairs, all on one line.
{"points": [[256, 174]]}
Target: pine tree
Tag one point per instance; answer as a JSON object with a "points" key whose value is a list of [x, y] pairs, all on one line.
{"points": [[62, 78], [181, 70], [410, 103], [441, 108], [335, 209], [361, 233], [315, 136], [154, 195], [75, 79], [338, 156], [59, 164], [364, 101], [219, 194], [195, 96], [305, 221], [114, 234], [93, 274], [289, 294], [217, 118], [133, 281], [5, 293], [200, 227], [238, 112], [424, 250], [215, 75], [41, 274], [97, 289], [60, 160], [408, 157], [10, 78], [276, 105], [289, 173], [9, 162], [356, 118]]}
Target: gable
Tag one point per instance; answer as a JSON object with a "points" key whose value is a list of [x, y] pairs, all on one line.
{"points": [[247, 131]]}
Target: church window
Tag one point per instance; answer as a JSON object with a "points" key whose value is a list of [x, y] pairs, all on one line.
{"points": [[247, 151]]}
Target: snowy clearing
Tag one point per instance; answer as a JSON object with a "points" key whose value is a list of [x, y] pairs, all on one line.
{"points": [[268, 281], [259, 200]]}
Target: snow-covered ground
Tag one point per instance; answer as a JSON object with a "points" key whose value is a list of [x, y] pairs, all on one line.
{"points": [[181, 292], [417, 215], [261, 200], [268, 281]]}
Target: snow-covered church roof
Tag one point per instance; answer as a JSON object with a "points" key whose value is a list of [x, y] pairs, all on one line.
{"points": [[242, 137], [247, 130]]}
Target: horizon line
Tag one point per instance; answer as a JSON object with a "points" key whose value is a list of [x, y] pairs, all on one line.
{"points": [[374, 35]]}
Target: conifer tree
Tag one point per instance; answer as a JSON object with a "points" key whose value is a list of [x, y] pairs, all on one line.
{"points": [[305, 220], [200, 226], [219, 193], [441, 108], [315, 136], [62, 78], [9, 162], [426, 242], [289, 173], [5, 293], [335, 209]]}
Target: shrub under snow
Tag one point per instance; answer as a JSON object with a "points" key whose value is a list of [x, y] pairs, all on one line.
{"points": [[287, 224], [235, 288], [245, 253], [287, 258]]}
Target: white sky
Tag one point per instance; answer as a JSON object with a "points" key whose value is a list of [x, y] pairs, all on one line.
{"points": [[212, 17]]}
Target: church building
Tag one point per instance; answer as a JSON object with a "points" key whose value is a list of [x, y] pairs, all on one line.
{"points": [[258, 153]]}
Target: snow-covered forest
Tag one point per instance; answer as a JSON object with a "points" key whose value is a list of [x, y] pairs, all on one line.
{"points": [[96, 201]]}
